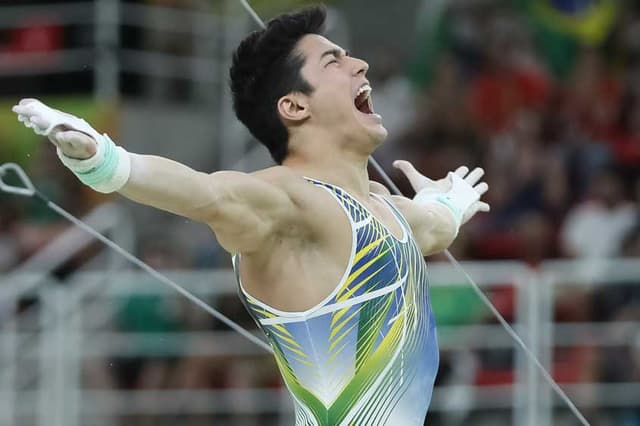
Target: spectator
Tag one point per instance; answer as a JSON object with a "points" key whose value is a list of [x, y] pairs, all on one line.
{"points": [[625, 137], [596, 227], [592, 95], [512, 80]]}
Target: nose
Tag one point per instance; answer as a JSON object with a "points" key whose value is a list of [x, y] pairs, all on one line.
{"points": [[361, 67]]}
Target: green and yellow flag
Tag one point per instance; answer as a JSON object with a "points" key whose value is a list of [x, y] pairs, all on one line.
{"points": [[590, 21]]}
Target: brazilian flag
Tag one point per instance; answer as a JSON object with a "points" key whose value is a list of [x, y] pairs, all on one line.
{"points": [[587, 20], [561, 27]]}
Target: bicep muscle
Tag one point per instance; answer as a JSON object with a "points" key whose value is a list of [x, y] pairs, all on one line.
{"points": [[248, 210]]}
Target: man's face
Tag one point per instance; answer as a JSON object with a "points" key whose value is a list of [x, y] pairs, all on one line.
{"points": [[341, 98]]}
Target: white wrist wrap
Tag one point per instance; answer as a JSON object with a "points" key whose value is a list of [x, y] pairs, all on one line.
{"points": [[57, 118], [458, 199], [107, 171]]}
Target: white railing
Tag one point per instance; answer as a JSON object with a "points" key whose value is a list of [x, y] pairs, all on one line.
{"points": [[208, 31], [108, 218], [32, 279], [76, 319]]}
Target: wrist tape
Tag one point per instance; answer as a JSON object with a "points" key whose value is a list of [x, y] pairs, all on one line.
{"points": [[107, 171], [458, 199]]}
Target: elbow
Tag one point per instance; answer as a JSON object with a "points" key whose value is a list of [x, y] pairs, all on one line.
{"points": [[436, 242]]}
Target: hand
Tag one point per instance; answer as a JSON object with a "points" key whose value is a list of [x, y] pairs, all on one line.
{"points": [[64, 130], [420, 183]]}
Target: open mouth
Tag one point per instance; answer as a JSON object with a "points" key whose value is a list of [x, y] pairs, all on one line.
{"points": [[362, 101]]}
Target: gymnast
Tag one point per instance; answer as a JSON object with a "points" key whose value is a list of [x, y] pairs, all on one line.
{"points": [[328, 263]]}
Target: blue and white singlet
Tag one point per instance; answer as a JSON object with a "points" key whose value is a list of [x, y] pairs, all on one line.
{"points": [[367, 354]]}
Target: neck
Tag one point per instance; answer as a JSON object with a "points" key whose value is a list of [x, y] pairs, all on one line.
{"points": [[327, 163]]}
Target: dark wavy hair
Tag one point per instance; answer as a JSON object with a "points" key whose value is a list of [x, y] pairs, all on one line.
{"points": [[266, 67]]}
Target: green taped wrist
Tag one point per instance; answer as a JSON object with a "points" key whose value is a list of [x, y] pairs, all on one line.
{"points": [[107, 171], [103, 171]]}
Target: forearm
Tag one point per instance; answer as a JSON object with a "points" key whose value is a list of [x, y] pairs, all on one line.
{"points": [[171, 186], [438, 232]]}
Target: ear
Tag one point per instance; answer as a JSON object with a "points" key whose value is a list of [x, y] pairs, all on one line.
{"points": [[294, 107]]}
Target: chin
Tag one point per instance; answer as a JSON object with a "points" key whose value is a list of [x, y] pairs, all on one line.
{"points": [[378, 135], [375, 130]]}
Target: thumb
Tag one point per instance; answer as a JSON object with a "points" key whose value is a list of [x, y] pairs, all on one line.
{"points": [[74, 144], [416, 180], [73, 137]]}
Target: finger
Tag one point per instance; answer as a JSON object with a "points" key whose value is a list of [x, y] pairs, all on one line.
{"points": [[405, 166], [22, 106], [23, 118], [26, 109], [68, 136], [19, 109], [482, 207], [74, 137], [474, 176], [481, 188], [39, 121], [462, 171], [68, 139], [27, 101]]}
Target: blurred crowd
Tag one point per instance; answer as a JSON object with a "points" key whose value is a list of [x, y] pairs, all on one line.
{"points": [[559, 139], [553, 116], [561, 147]]}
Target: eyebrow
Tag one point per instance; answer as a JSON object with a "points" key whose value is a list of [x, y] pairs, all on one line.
{"points": [[335, 52]]}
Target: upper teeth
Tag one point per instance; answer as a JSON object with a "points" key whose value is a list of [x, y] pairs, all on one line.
{"points": [[366, 88]]}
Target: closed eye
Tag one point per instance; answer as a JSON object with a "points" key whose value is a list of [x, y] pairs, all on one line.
{"points": [[337, 54]]}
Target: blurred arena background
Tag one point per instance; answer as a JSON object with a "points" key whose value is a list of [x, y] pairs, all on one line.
{"points": [[544, 94]]}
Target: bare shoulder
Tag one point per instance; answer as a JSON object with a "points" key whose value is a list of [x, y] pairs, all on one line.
{"points": [[277, 175], [401, 202], [378, 188], [313, 203], [269, 187], [290, 181], [256, 209]]}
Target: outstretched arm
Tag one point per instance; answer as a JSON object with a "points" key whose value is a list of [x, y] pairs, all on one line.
{"points": [[242, 209], [440, 207]]}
